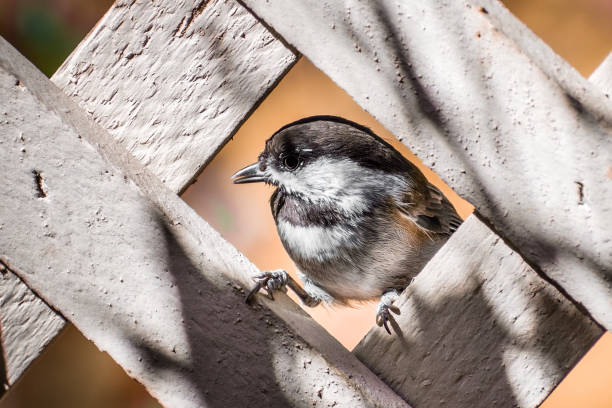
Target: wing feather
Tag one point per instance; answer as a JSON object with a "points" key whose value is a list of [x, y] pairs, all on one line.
{"points": [[430, 210]]}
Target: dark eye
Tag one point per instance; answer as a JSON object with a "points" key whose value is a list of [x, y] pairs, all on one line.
{"points": [[291, 162]]}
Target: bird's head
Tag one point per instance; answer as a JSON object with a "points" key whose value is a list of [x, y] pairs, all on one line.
{"points": [[326, 158]]}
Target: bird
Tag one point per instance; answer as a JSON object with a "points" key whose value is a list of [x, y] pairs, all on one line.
{"points": [[356, 217]]}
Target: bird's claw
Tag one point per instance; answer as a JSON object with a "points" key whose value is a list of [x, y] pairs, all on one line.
{"points": [[270, 281], [384, 309], [384, 315]]}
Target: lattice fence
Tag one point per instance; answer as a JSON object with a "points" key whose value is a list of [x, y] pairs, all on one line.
{"points": [[92, 229]]}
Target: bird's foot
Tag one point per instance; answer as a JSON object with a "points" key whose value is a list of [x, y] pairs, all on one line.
{"points": [[385, 307], [270, 281]]}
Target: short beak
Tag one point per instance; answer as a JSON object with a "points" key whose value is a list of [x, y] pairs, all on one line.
{"points": [[250, 174]]}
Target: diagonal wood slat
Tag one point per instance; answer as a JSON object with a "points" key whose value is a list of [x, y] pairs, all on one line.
{"points": [[174, 97], [143, 276], [27, 324], [506, 123], [173, 80], [479, 328]]}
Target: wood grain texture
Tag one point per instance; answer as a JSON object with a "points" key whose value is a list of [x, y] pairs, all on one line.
{"points": [[173, 80], [487, 105], [27, 326], [479, 328], [143, 276]]}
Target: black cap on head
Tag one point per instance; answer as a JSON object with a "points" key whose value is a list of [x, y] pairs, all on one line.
{"points": [[336, 137]]}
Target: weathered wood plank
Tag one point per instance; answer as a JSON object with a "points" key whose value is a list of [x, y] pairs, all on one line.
{"points": [[527, 140], [173, 80], [173, 97], [27, 326], [143, 276], [479, 328]]}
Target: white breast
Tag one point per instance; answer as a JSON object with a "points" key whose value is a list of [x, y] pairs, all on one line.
{"points": [[317, 243]]}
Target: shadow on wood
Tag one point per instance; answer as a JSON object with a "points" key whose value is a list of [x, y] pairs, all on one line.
{"points": [[228, 357], [479, 328]]}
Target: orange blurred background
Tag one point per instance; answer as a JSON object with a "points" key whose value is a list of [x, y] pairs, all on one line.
{"points": [[73, 373]]}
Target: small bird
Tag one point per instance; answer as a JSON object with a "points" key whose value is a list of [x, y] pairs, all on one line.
{"points": [[357, 218]]}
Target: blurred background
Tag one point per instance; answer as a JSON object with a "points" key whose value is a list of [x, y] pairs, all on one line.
{"points": [[73, 373]]}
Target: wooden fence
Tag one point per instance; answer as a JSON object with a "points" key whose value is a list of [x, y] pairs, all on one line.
{"points": [[92, 230]]}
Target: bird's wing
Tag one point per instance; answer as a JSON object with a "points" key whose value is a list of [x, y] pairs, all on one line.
{"points": [[430, 210]]}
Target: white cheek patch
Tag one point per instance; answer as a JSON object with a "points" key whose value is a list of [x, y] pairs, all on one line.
{"points": [[314, 242], [341, 183], [288, 180]]}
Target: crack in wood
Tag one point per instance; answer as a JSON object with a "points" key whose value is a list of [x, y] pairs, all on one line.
{"points": [[580, 191], [40, 184], [186, 22]]}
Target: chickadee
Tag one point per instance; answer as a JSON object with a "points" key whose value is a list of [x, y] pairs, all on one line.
{"points": [[357, 218]]}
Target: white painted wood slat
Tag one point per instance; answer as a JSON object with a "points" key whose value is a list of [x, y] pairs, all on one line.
{"points": [[143, 276], [27, 325], [486, 104], [172, 80], [479, 328]]}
